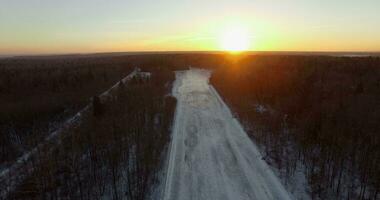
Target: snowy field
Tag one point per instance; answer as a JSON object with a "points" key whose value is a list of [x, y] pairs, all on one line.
{"points": [[211, 157]]}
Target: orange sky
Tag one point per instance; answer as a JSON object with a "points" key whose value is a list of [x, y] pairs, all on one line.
{"points": [[48, 27]]}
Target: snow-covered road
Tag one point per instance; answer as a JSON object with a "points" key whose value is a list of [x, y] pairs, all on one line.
{"points": [[210, 156]]}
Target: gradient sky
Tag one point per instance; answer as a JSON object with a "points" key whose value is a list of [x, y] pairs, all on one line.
{"points": [[78, 26]]}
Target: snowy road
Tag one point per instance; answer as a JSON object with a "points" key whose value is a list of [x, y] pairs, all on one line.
{"points": [[211, 157]]}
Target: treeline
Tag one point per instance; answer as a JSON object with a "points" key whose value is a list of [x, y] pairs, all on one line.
{"points": [[115, 151], [316, 114]]}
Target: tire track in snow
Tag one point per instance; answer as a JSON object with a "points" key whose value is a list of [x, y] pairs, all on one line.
{"points": [[210, 156]]}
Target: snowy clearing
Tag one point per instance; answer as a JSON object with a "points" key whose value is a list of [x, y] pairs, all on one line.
{"points": [[211, 157]]}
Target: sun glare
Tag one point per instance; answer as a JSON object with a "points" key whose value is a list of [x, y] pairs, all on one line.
{"points": [[235, 39]]}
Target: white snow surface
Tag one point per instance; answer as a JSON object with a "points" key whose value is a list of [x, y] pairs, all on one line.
{"points": [[210, 155]]}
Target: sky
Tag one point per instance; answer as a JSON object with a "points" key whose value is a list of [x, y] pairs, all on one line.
{"points": [[85, 26]]}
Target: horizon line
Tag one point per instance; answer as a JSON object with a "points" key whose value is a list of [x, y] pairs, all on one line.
{"points": [[160, 52]]}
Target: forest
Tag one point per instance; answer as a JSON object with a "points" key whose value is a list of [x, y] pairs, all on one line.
{"points": [[317, 114], [37, 95], [312, 114], [113, 152]]}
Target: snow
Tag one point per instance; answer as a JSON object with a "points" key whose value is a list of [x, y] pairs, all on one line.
{"points": [[298, 184], [144, 74], [260, 108], [210, 155]]}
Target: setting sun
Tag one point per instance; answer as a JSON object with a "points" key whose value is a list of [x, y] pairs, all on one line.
{"points": [[235, 39]]}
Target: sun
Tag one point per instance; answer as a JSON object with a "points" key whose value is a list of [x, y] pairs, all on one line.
{"points": [[235, 39]]}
